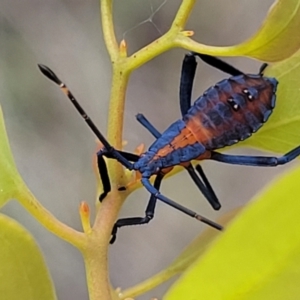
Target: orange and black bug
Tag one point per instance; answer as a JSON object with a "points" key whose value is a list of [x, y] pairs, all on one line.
{"points": [[228, 112]]}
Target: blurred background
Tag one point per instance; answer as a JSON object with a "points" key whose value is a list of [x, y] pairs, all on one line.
{"points": [[53, 147]]}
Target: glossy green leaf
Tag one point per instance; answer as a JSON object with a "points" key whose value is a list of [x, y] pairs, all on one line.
{"points": [[258, 257], [278, 37], [23, 273], [9, 177], [281, 132]]}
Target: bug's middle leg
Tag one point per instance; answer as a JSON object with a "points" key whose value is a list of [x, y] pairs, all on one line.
{"points": [[151, 189], [204, 185]]}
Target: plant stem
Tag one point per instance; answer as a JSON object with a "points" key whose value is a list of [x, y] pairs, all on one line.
{"points": [[95, 252], [96, 271], [31, 204], [166, 41], [183, 13], [115, 117], [108, 28], [148, 284]]}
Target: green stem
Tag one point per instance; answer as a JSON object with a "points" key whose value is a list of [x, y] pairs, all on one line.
{"points": [[116, 117], [97, 271], [30, 203], [185, 42], [183, 14], [95, 252], [108, 28], [148, 284], [165, 42]]}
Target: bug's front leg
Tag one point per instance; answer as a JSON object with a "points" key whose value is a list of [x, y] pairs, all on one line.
{"points": [[149, 213], [103, 172], [102, 168]]}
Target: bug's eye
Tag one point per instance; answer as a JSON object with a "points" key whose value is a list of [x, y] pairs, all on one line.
{"points": [[233, 104], [248, 94]]}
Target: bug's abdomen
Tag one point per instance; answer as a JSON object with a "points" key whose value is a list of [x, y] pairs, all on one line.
{"points": [[231, 110]]}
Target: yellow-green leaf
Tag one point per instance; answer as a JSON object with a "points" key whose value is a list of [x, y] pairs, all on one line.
{"points": [[278, 37], [23, 273], [258, 257], [281, 132], [9, 176]]}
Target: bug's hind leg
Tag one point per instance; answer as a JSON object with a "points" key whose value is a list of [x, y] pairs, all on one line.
{"points": [[258, 161], [149, 213], [223, 66], [219, 64], [188, 71], [204, 186]]}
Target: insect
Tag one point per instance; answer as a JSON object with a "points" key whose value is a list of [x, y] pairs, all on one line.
{"points": [[228, 112]]}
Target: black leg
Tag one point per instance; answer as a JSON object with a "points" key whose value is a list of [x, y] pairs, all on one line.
{"points": [[219, 64], [188, 70], [103, 169], [206, 182], [223, 66], [205, 187], [118, 155], [151, 189], [262, 69], [104, 176], [129, 156], [259, 161], [149, 213], [109, 149]]}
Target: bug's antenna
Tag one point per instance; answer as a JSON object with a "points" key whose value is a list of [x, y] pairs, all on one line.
{"points": [[52, 76]]}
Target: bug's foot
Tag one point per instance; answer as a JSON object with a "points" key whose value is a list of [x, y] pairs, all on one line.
{"points": [[114, 234]]}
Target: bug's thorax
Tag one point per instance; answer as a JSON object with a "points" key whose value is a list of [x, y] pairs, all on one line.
{"points": [[231, 110]]}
